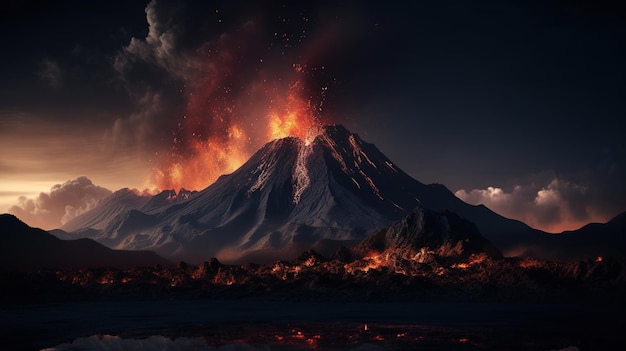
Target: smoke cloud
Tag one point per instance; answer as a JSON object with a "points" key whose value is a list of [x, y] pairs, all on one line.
{"points": [[63, 202], [135, 134]]}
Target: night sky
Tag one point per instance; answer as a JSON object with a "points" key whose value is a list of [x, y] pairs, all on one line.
{"points": [[519, 105]]}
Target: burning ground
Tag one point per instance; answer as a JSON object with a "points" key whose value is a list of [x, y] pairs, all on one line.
{"points": [[430, 280], [426, 256], [386, 276]]}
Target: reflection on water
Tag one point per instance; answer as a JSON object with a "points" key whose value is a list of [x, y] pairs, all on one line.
{"points": [[248, 337], [309, 336], [161, 343], [109, 342]]}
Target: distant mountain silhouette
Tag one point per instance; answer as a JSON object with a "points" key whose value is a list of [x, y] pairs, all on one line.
{"points": [[590, 241], [26, 248]]}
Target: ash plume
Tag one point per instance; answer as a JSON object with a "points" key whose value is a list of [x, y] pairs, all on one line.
{"points": [[225, 88]]}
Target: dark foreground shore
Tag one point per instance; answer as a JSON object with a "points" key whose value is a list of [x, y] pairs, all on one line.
{"points": [[294, 325], [432, 302]]}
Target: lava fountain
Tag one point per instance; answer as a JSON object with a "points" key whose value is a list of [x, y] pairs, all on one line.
{"points": [[294, 118], [215, 138]]}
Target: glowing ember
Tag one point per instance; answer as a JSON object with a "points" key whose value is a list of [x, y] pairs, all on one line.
{"points": [[473, 260], [529, 263], [599, 259], [297, 334], [375, 261]]}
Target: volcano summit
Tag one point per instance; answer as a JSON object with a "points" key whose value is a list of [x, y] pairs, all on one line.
{"points": [[288, 197]]}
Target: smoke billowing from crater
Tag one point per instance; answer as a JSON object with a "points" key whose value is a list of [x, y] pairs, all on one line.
{"points": [[253, 78]]}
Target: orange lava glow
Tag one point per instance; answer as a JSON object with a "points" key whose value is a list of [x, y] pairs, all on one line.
{"points": [[375, 261], [210, 159], [294, 118], [297, 334], [473, 260], [198, 160], [528, 262]]}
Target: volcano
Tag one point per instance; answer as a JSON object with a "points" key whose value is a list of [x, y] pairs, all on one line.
{"points": [[288, 197]]}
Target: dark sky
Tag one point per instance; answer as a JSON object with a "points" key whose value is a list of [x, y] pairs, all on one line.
{"points": [[515, 104]]}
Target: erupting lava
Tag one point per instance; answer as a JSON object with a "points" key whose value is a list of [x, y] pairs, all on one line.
{"points": [[198, 160], [295, 118], [208, 160]]}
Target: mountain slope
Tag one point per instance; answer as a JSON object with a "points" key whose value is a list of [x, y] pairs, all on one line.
{"points": [[108, 208], [424, 230], [120, 202], [286, 198], [26, 248]]}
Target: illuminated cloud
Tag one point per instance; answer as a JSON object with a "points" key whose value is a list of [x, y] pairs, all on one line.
{"points": [[558, 206], [64, 201]]}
